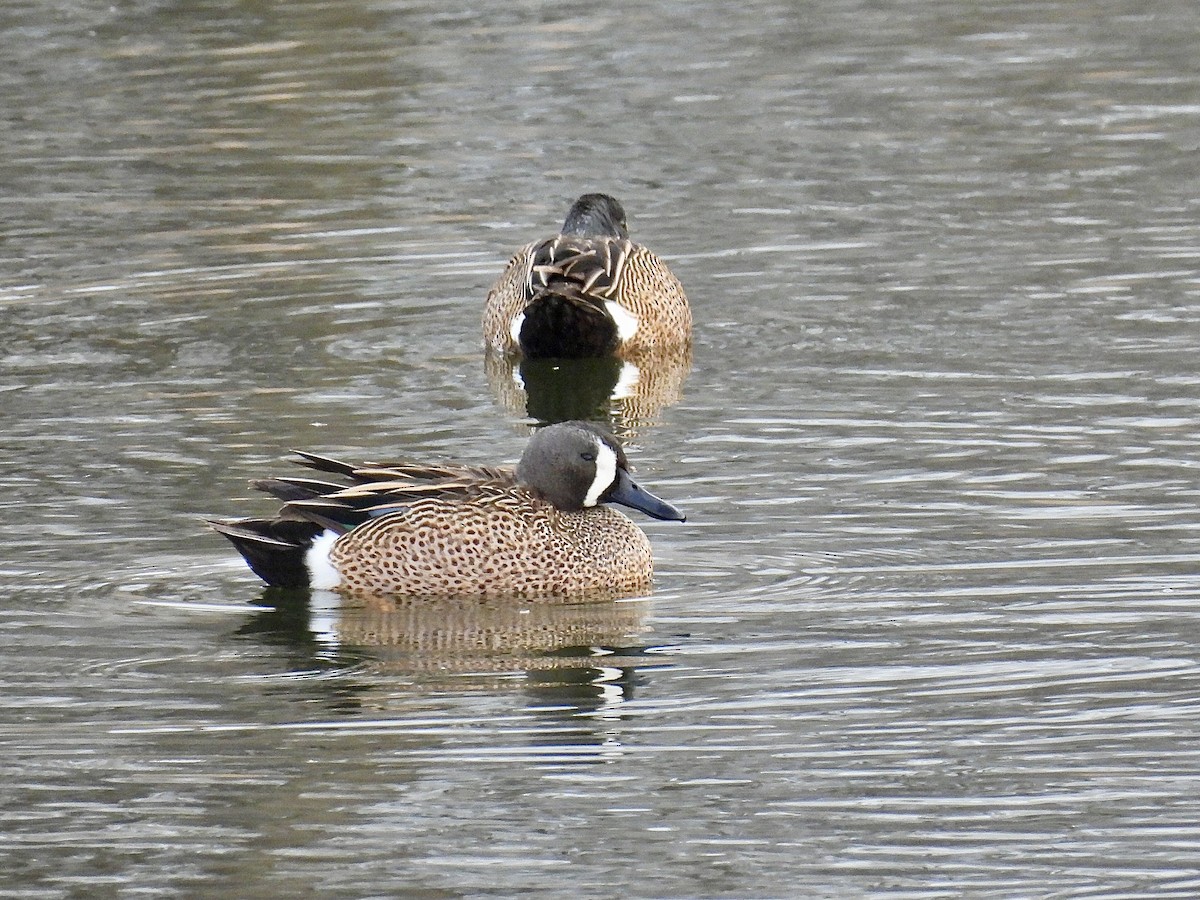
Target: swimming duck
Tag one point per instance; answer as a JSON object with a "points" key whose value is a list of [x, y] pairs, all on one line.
{"points": [[455, 530], [588, 291]]}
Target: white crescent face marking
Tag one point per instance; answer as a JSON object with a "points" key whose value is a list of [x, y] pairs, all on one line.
{"points": [[514, 327], [627, 322], [322, 576], [606, 473]]}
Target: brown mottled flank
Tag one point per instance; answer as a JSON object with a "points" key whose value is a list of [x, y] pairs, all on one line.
{"points": [[507, 297], [505, 543], [644, 285]]}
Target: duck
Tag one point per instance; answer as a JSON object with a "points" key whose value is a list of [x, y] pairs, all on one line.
{"points": [[588, 291], [544, 528]]}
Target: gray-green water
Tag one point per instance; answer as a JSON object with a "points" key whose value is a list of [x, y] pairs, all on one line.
{"points": [[933, 626]]}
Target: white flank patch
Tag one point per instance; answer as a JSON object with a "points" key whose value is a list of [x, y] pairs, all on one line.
{"points": [[514, 327], [606, 473], [627, 382], [627, 322], [322, 576]]}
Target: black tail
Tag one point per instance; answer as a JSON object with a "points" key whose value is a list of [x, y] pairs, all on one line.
{"points": [[563, 321], [273, 548]]}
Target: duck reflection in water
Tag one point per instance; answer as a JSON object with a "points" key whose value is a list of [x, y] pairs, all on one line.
{"points": [[580, 656], [627, 394], [566, 670]]}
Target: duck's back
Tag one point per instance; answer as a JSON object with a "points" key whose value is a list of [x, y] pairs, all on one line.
{"points": [[650, 291], [591, 275]]}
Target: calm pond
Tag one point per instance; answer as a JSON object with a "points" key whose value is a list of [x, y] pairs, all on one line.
{"points": [[932, 628]]}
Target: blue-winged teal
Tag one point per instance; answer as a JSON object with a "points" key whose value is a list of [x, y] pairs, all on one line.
{"points": [[453, 530], [589, 291]]}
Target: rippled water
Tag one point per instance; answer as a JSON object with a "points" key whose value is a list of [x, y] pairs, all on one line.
{"points": [[931, 629]]}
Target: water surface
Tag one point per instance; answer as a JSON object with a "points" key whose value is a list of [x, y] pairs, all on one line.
{"points": [[931, 628]]}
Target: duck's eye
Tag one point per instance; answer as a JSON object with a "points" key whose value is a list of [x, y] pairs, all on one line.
{"points": [[588, 455]]}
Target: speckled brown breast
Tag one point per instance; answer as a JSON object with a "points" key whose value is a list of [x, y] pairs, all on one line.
{"points": [[644, 285], [508, 544]]}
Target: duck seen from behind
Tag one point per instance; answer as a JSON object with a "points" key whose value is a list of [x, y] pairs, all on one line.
{"points": [[588, 291], [539, 530]]}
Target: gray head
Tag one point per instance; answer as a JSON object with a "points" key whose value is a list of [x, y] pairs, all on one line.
{"points": [[596, 215], [576, 465]]}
